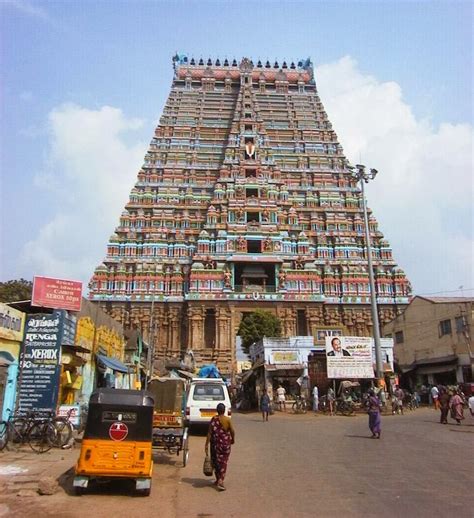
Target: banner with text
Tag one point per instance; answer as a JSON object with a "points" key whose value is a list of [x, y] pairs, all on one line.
{"points": [[57, 293], [349, 357], [40, 362]]}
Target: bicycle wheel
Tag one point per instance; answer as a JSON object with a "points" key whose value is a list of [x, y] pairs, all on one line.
{"points": [[63, 432], [3, 434], [42, 436], [17, 430]]}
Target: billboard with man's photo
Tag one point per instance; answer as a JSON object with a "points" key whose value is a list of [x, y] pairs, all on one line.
{"points": [[349, 357]]}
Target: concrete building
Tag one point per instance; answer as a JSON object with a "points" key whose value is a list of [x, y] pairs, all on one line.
{"points": [[433, 340], [281, 361]]}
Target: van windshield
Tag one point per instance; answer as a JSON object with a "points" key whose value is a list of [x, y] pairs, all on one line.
{"points": [[208, 392]]}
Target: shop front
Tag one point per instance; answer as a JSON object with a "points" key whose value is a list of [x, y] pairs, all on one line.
{"points": [[12, 323], [282, 362]]}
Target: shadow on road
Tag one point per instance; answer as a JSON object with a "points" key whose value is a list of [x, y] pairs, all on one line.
{"points": [[65, 481], [199, 482], [359, 436]]}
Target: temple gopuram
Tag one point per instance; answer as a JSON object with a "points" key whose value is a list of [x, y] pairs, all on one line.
{"points": [[244, 201]]}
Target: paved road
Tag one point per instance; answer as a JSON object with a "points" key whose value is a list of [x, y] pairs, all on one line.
{"points": [[303, 466]]}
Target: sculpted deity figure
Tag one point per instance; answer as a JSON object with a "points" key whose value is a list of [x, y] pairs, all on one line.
{"points": [[281, 278], [240, 214], [242, 244], [227, 279], [267, 245]]}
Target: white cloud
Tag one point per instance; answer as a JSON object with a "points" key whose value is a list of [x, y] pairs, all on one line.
{"points": [[89, 175], [424, 193], [29, 9]]}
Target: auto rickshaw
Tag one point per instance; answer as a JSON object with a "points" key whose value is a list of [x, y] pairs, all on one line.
{"points": [[117, 439], [169, 430]]}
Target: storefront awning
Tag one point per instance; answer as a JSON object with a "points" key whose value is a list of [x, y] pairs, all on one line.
{"points": [[284, 366], [435, 369], [111, 363]]}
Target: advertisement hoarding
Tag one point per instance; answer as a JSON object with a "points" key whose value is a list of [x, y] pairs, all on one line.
{"points": [[349, 357], [57, 293], [40, 362]]}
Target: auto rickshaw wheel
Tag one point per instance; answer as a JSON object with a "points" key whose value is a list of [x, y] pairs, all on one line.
{"points": [[144, 492], [79, 491]]}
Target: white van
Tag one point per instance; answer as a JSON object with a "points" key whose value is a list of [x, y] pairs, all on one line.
{"points": [[204, 395]]}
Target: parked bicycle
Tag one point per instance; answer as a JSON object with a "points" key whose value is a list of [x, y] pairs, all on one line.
{"points": [[32, 428], [300, 405], [344, 407], [64, 428], [323, 404]]}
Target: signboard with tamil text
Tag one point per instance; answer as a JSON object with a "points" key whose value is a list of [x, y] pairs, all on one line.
{"points": [[40, 362], [57, 293], [284, 357], [349, 357]]}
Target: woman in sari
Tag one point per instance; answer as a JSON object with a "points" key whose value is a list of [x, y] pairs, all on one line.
{"points": [[443, 405], [375, 420], [457, 408], [220, 436]]}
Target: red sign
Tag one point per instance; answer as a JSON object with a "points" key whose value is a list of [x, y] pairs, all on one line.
{"points": [[118, 431], [57, 293]]}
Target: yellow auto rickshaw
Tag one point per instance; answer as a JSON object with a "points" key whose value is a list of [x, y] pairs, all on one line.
{"points": [[117, 440]]}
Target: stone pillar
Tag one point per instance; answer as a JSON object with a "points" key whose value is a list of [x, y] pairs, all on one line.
{"points": [[174, 345], [196, 328]]}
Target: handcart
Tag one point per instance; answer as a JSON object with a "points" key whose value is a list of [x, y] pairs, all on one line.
{"points": [[169, 431]]}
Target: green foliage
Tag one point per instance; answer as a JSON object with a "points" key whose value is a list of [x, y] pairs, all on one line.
{"points": [[257, 325], [13, 291]]}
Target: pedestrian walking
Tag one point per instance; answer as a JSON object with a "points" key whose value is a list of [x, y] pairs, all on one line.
{"points": [[375, 418], [456, 405], [397, 401], [265, 406], [281, 399], [444, 405], [330, 399], [315, 399], [470, 403], [220, 437], [435, 396]]}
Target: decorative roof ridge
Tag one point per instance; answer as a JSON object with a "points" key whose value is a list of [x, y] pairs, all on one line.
{"points": [[182, 60]]}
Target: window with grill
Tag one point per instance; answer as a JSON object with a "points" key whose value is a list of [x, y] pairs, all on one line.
{"points": [[445, 327]]}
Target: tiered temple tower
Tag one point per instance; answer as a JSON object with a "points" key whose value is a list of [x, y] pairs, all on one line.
{"points": [[244, 201]]}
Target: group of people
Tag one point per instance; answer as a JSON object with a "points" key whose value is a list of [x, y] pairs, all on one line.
{"points": [[450, 402]]}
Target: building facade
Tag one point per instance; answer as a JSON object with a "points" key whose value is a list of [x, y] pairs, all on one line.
{"points": [[433, 340], [12, 323], [244, 200]]}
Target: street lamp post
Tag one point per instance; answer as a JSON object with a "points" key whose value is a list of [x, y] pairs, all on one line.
{"points": [[363, 177], [151, 346]]}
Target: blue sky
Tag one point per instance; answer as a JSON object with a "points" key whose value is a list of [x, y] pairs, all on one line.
{"points": [[395, 77]]}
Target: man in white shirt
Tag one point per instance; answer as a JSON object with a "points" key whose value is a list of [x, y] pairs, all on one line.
{"points": [[281, 397], [435, 396], [315, 399]]}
